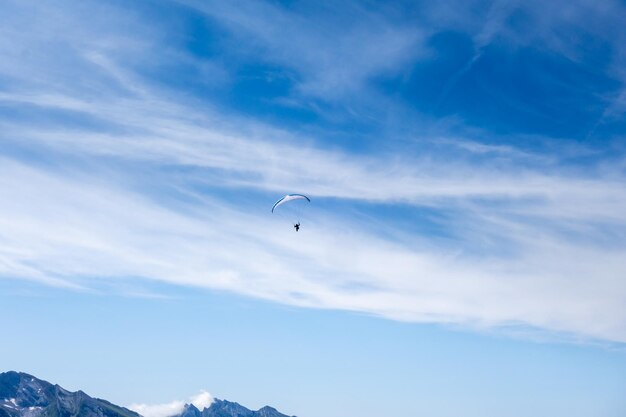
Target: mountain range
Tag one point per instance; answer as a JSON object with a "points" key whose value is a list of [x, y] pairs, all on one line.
{"points": [[23, 395]]}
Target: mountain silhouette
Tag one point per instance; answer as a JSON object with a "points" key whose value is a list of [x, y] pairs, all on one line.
{"points": [[23, 395]]}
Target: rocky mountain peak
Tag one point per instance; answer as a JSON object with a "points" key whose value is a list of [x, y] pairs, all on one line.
{"points": [[190, 410], [23, 395], [223, 408]]}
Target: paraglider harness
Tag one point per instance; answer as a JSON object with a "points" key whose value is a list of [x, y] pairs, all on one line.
{"points": [[297, 226]]}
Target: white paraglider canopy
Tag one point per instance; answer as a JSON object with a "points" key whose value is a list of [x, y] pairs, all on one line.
{"points": [[290, 197]]}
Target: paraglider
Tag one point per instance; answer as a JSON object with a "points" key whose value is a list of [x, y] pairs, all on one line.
{"points": [[291, 207]]}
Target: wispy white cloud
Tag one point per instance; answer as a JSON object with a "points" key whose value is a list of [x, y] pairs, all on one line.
{"points": [[334, 55], [201, 401], [523, 242], [93, 228]]}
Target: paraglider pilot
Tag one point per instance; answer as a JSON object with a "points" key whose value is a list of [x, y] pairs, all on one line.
{"points": [[297, 226]]}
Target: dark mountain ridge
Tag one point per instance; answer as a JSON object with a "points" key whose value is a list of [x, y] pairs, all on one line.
{"points": [[23, 395]]}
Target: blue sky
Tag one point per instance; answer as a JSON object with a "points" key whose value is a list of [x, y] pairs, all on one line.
{"points": [[464, 252]]}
